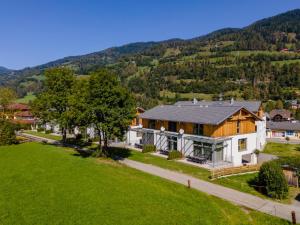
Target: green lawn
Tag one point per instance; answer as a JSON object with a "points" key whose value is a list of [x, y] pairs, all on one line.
{"points": [[283, 150], [41, 134], [44, 184], [29, 97], [237, 182]]}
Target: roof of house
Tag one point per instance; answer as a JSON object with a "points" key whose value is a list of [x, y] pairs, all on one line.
{"points": [[24, 114], [282, 112], [18, 106], [283, 125], [192, 113], [252, 106]]}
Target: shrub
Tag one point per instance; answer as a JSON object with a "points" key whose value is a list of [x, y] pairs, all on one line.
{"points": [[48, 131], [256, 152], [287, 138], [174, 155], [7, 133], [40, 129], [149, 148], [272, 179]]}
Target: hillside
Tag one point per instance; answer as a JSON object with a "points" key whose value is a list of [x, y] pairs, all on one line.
{"points": [[237, 62], [4, 70]]}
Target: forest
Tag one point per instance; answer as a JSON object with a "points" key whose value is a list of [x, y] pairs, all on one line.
{"points": [[260, 61]]}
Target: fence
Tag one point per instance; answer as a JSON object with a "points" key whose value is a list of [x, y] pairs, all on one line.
{"points": [[217, 173]]}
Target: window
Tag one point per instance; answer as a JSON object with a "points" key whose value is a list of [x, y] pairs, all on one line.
{"points": [[172, 126], [238, 127], [242, 144], [151, 124], [198, 129], [172, 143], [290, 132]]}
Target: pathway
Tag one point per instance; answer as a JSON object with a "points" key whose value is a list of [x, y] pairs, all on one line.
{"points": [[236, 197]]}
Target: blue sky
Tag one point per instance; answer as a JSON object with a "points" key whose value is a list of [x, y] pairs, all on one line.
{"points": [[36, 32]]}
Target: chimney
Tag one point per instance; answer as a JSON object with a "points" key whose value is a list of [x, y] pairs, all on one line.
{"points": [[220, 97], [231, 101]]}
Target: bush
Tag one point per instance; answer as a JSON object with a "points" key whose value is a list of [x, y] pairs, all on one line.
{"points": [[272, 179], [40, 129], [149, 148], [48, 131], [7, 133], [174, 155]]}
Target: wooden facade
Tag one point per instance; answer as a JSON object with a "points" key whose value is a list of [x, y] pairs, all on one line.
{"points": [[137, 120], [241, 122]]}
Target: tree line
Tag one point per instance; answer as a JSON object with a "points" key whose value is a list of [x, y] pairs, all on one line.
{"points": [[99, 102]]}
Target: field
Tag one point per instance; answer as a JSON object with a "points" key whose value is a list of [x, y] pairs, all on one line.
{"points": [[28, 98], [44, 184], [283, 150]]}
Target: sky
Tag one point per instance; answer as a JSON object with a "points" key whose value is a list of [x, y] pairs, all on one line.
{"points": [[36, 32]]}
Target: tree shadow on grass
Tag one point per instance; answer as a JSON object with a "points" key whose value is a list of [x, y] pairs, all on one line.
{"points": [[297, 148], [116, 153]]}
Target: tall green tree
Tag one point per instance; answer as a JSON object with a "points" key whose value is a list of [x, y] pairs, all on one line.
{"points": [[279, 104], [7, 96], [109, 107], [52, 105]]}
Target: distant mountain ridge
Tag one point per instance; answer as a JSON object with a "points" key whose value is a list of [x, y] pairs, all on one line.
{"points": [[4, 70], [189, 65]]}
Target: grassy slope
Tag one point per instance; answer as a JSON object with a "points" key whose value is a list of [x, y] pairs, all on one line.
{"points": [[29, 97], [43, 184], [286, 150]]}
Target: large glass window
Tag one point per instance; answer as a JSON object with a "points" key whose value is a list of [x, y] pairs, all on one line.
{"points": [[242, 144], [203, 150], [172, 126], [198, 129]]}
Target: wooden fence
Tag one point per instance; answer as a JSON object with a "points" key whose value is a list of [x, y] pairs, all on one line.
{"points": [[217, 173]]}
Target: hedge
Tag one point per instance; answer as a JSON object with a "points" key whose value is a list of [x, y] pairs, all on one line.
{"points": [[174, 155], [149, 148], [7, 133], [271, 177]]}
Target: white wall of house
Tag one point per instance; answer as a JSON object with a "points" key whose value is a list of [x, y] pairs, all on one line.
{"points": [[251, 146], [261, 127]]}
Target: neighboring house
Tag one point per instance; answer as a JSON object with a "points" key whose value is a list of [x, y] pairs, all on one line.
{"points": [[279, 115], [283, 129], [20, 114], [215, 133]]}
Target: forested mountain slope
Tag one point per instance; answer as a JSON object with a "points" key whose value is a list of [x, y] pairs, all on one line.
{"points": [[260, 61]]}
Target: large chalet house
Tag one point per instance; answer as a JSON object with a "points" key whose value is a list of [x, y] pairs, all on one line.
{"points": [[214, 132]]}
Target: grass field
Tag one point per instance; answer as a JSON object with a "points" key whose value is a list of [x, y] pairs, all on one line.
{"points": [[284, 150], [44, 184], [29, 97]]}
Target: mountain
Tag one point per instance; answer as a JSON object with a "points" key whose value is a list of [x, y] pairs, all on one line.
{"points": [[4, 70], [234, 61]]}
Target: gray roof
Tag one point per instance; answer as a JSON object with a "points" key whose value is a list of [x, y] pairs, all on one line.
{"points": [[282, 112], [252, 106], [283, 125], [191, 114]]}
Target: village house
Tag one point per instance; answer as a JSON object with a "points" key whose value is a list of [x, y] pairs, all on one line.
{"points": [[213, 133], [279, 115], [283, 129]]}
